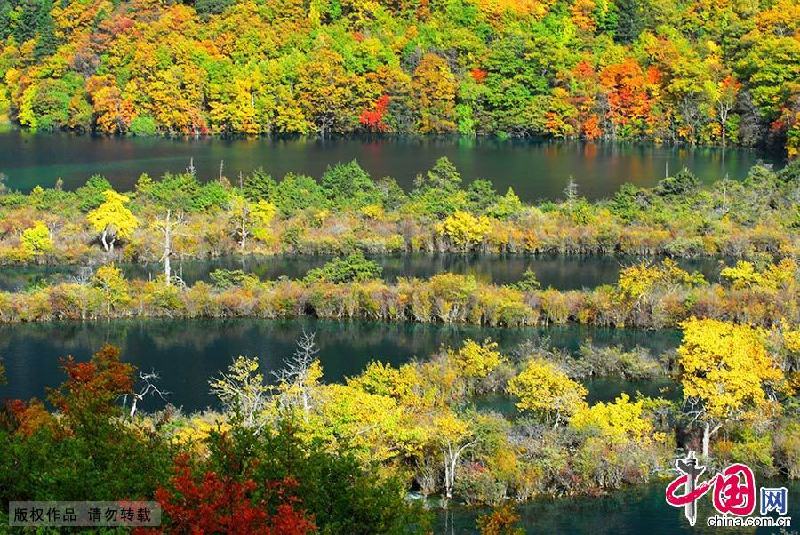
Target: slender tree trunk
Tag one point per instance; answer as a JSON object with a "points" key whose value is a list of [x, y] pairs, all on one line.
{"points": [[707, 432], [168, 248]]}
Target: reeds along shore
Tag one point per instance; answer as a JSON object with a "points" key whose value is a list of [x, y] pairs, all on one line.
{"points": [[648, 295], [346, 211]]}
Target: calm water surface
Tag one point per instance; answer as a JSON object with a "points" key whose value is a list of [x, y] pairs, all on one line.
{"points": [[560, 272], [638, 511], [189, 352], [535, 169]]}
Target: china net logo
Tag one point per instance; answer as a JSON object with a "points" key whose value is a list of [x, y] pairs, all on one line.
{"points": [[733, 493]]}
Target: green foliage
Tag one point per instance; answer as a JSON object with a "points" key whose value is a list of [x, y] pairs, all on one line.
{"points": [[92, 194], [144, 125], [528, 283], [182, 192], [442, 176], [348, 185], [352, 268], [298, 192], [683, 183], [225, 279], [259, 185]]}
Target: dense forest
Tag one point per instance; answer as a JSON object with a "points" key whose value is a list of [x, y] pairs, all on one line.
{"points": [[692, 71]]}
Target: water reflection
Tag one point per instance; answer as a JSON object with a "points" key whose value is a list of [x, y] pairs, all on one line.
{"points": [[560, 272], [535, 169], [189, 352]]}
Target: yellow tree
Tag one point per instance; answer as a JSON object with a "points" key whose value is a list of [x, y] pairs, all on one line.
{"points": [[250, 218], [110, 281], [35, 241], [112, 219], [476, 360], [455, 435], [464, 230], [434, 88], [726, 372], [544, 389], [619, 422]]}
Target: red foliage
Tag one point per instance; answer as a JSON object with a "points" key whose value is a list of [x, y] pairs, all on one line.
{"points": [[479, 75], [93, 387], [373, 119], [219, 504]]}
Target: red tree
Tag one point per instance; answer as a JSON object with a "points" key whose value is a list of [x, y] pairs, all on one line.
{"points": [[220, 504], [373, 119], [94, 387]]}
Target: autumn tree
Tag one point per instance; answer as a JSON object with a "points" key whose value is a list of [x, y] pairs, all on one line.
{"points": [[35, 241], [217, 503], [455, 436], [250, 219], [112, 219], [434, 88], [727, 374], [110, 281], [545, 390], [93, 389], [242, 391]]}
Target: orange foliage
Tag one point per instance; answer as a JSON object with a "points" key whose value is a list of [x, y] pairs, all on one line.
{"points": [[94, 387]]}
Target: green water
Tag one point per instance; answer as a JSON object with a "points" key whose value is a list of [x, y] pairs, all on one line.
{"points": [[640, 510], [535, 169], [188, 352], [560, 272]]}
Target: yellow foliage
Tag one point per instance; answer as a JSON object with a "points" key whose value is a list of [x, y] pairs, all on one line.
{"points": [[385, 380], [620, 422], [638, 280], [373, 211], [35, 241], [196, 431], [448, 427], [726, 367], [543, 388], [791, 340], [375, 426], [113, 217], [110, 280], [465, 230], [774, 277], [477, 360]]}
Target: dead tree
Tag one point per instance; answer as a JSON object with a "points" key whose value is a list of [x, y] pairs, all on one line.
{"points": [[148, 388]]}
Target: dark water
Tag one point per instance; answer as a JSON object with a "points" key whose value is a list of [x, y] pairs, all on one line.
{"points": [[641, 510], [535, 169], [189, 352], [560, 272]]}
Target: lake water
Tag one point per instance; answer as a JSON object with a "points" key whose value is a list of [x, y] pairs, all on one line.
{"points": [[637, 510], [535, 169], [560, 272], [188, 352]]}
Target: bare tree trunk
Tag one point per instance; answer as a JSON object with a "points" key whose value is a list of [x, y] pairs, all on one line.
{"points": [[707, 432], [167, 248], [451, 456]]}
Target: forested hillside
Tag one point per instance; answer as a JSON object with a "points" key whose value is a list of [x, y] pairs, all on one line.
{"points": [[695, 71]]}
